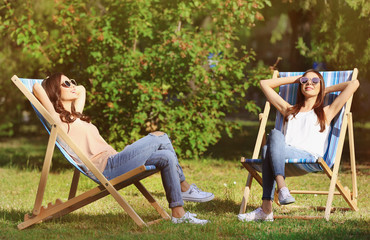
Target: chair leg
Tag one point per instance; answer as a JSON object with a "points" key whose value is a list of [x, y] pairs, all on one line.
{"points": [[252, 175], [45, 170], [152, 201], [334, 176], [334, 183], [342, 190], [122, 202], [74, 184], [247, 190], [352, 158]]}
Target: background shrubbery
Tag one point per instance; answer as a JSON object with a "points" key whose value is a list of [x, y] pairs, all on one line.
{"points": [[145, 63]]}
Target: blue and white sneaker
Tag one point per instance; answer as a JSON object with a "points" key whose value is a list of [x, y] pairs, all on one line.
{"points": [[256, 215], [194, 194], [189, 218], [285, 197]]}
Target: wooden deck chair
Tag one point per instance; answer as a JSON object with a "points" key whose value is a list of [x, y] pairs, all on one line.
{"points": [[82, 165], [333, 154]]}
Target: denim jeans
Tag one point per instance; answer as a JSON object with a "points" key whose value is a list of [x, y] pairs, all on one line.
{"points": [[151, 150], [274, 154]]}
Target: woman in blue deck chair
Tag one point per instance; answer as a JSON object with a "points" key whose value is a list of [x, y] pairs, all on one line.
{"points": [[65, 101], [306, 129]]}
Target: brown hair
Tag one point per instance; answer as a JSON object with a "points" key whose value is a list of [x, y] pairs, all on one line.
{"points": [[318, 107], [52, 87]]}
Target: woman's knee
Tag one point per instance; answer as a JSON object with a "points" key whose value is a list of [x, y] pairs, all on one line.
{"points": [[276, 136], [276, 133], [169, 156], [264, 152], [163, 158], [158, 133]]}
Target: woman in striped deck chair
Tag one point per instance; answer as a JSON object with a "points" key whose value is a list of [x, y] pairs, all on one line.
{"points": [[305, 134], [65, 101]]}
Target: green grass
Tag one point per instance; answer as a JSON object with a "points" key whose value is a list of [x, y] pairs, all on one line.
{"points": [[219, 172], [104, 219]]}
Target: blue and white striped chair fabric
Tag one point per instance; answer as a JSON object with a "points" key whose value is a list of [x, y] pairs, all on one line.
{"points": [[297, 167], [67, 152]]}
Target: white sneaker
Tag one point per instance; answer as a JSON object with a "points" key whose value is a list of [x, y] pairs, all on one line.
{"points": [[194, 194], [285, 197], [189, 218], [256, 215]]}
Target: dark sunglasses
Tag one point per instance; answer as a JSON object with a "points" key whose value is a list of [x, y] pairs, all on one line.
{"points": [[314, 80], [68, 83]]}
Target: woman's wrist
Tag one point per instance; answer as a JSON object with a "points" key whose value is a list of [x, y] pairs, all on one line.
{"points": [[80, 89]]}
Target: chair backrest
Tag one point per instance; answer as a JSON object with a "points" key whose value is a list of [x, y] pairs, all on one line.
{"points": [[289, 93], [62, 146]]}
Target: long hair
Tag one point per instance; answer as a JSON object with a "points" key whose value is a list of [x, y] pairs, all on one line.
{"points": [[318, 107], [52, 87]]}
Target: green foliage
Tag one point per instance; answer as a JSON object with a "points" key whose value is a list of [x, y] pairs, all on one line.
{"points": [[145, 62], [154, 74], [279, 30], [340, 34]]}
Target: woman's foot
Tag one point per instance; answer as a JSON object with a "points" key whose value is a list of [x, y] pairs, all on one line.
{"points": [[285, 197], [194, 194], [189, 218], [256, 215]]}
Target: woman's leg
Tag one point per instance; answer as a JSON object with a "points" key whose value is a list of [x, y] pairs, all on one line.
{"points": [[273, 166], [166, 144], [274, 154], [167, 164], [137, 154], [155, 149]]}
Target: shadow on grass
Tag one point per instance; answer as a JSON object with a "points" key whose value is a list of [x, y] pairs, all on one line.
{"points": [[81, 220], [216, 206], [13, 216], [89, 226], [305, 229]]}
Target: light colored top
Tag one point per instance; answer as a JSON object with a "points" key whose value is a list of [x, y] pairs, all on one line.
{"points": [[303, 132], [87, 137]]}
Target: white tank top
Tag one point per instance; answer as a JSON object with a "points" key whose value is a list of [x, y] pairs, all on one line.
{"points": [[303, 132]]}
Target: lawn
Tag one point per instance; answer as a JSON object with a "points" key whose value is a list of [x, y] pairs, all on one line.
{"points": [[21, 159]]}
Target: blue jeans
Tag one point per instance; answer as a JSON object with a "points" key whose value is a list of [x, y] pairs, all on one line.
{"points": [[151, 150], [274, 154]]}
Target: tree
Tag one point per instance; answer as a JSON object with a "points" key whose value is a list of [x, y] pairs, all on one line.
{"points": [[326, 35], [145, 63], [339, 34]]}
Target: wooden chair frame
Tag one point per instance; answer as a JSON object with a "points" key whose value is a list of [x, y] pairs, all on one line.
{"points": [[74, 202], [349, 196]]}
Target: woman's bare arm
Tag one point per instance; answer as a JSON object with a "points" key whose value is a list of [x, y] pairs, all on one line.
{"points": [[347, 89], [80, 101], [273, 97], [41, 95]]}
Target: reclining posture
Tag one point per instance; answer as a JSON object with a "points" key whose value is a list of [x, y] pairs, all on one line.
{"points": [[304, 136], [65, 101]]}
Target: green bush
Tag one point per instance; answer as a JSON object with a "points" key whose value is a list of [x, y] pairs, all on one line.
{"points": [[146, 62], [339, 35]]}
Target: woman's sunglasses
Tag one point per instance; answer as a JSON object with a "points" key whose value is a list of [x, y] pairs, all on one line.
{"points": [[68, 83], [314, 80]]}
